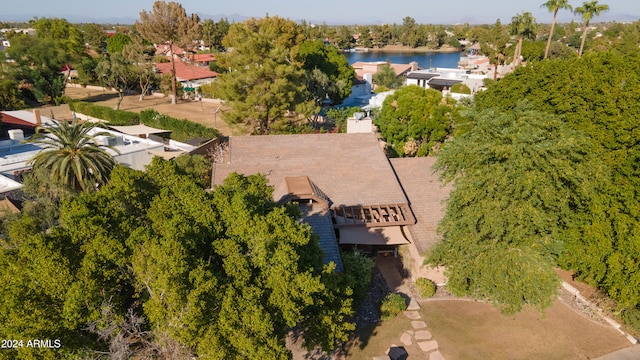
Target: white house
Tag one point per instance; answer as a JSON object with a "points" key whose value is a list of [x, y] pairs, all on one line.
{"points": [[15, 154], [444, 78]]}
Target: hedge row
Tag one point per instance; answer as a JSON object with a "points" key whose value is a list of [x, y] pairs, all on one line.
{"points": [[181, 129], [114, 117]]}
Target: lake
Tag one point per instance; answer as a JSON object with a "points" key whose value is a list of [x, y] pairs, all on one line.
{"points": [[425, 59]]}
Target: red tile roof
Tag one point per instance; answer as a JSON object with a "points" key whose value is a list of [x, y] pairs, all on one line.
{"points": [[202, 57], [163, 49], [8, 119], [186, 72]]}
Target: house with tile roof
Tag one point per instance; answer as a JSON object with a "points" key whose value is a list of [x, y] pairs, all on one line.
{"points": [[202, 60], [372, 67], [188, 75], [165, 50], [344, 183], [361, 91]]}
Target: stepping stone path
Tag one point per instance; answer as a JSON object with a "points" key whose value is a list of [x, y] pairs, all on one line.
{"points": [[420, 335], [406, 339], [428, 346], [418, 324], [413, 315]]}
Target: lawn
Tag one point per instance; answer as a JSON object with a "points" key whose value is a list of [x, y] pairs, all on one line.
{"points": [[473, 330], [200, 112]]}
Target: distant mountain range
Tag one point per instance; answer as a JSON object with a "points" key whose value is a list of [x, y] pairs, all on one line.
{"points": [[619, 17]]}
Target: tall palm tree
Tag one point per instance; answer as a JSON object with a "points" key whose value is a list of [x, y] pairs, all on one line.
{"points": [[72, 155], [588, 10], [523, 25], [554, 6]]}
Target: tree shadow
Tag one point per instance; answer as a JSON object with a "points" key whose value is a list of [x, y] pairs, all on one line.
{"points": [[359, 339], [99, 97]]}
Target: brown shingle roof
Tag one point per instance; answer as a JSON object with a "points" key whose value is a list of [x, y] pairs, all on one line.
{"points": [[426, 194], [351, 169]]}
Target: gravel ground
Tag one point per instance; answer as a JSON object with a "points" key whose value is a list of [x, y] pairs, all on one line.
{"points": [[368, 312]]}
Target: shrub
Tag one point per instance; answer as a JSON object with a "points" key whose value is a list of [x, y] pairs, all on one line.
{"points": [[460, 89], [391, 306], [426, 288], [182, 129], [631, 318], [114, 117], [357, 274]]}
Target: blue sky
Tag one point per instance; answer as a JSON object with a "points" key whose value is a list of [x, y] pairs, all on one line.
{"points": [[331, 11]]}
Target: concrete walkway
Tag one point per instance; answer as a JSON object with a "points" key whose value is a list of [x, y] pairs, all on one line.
{"points": [[630, 353]]}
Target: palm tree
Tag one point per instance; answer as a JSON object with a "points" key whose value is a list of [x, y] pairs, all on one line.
{"points": [[523, 25], [588, 10], [72, 156], [553, 6]]}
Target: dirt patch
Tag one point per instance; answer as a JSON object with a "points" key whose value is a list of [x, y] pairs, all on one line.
{"points": [[209, 113], [586, 290]]}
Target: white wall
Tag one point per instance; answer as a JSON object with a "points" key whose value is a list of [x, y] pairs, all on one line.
{"points": [[355, 126]]}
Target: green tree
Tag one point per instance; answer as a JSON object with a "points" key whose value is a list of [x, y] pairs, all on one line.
{"points": [[225, 274], [588, 10], [169, 24], [197, 166], [86, 71], [116, 43], [343, 37], [72, 156], [315, 55], [61, 30], [339, 116], [118, 73], [523, 26], [493, 43], [519, 176], [214, 32], [66, 35], [94, 35], [416, 116], [36, 256], [386, 77], [10, 97], [381, 35], [554, 6], [365, 39], [140, 56], [39, 62], [600, 249], [264, 83]]}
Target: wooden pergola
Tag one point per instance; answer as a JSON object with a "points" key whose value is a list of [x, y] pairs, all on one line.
{"points": [[373, 215]]}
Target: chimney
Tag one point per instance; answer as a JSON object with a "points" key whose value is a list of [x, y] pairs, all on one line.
{"points": [[36, 114], [414, 65]]}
